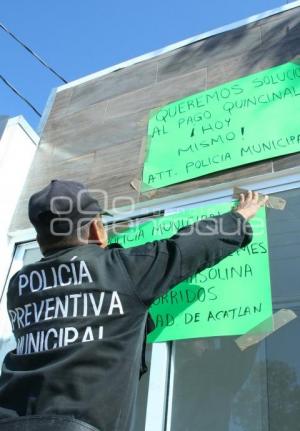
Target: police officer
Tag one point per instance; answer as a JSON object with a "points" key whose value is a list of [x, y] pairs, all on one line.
{"points": [[79, 314]]}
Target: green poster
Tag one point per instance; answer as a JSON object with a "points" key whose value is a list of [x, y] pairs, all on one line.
{"points": [[243, 121], [230, 298]]}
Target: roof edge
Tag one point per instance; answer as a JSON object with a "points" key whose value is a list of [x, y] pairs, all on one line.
{"points": [[30, 132]]}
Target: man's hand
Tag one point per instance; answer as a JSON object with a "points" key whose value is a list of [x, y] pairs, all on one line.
{"points": [[249, 204]]}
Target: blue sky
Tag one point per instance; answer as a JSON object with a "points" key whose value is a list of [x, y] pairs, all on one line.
{"points": [[81, 37]]}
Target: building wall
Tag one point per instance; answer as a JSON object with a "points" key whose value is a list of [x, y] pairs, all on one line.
{"points": [[96, 130], [18, 143]]}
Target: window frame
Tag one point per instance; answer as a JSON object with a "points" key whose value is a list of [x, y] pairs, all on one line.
{"points": [[161, 379]]}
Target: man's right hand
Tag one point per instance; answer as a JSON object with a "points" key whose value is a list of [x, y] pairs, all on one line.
{"points": [[249, 204]]}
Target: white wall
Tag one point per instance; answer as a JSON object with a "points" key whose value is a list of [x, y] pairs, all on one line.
{"points": [[18, 144]]}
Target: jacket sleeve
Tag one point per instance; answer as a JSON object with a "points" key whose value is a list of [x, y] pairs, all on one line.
{"points": [[155, 267]]}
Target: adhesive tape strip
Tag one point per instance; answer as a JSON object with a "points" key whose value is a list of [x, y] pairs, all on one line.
{"points": [[274, 202], [261, 331], [137, 185]]}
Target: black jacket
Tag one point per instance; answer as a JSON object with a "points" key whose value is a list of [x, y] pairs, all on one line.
{"points": [[79, 317]]}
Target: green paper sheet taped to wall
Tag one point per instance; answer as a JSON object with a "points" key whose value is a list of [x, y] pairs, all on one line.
{"points": [[240, 122], [230, 298]]}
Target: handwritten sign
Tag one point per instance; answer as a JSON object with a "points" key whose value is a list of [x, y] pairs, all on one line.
{"points": [[240, 122], [228, 299]]}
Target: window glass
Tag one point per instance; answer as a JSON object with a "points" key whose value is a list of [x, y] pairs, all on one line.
{"points": [[218, 387], [31, 255], [141, 406], [7, 340], [283, 370], [211, 377], [284, 245], [7, 343]]}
